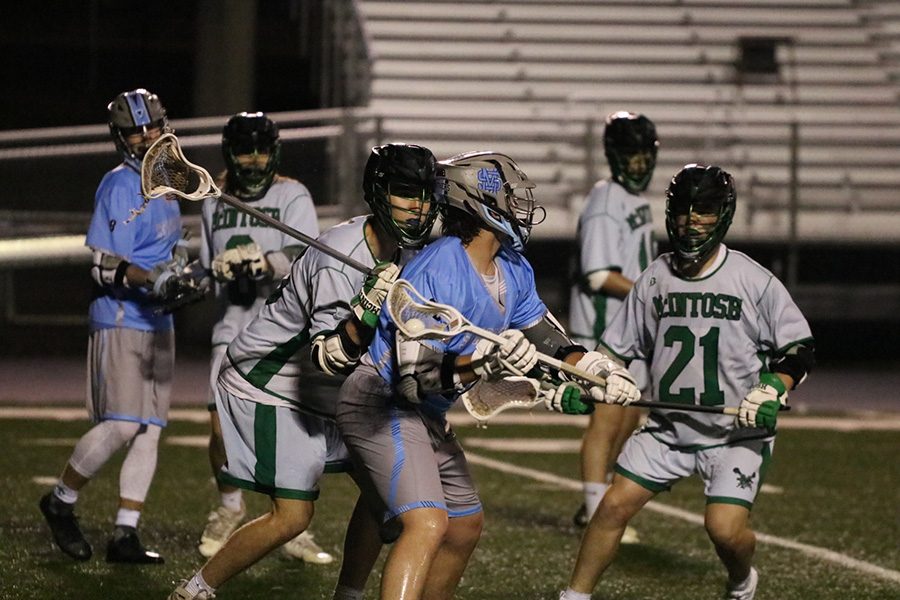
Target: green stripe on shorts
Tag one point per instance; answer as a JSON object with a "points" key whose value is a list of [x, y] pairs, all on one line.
{"points": [[653, 486], [264, 435], [727, 500]]}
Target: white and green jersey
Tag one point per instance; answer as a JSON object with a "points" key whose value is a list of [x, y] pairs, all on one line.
{"points": [[707, 341], [615, 233], [225, 227], [263, 363]]}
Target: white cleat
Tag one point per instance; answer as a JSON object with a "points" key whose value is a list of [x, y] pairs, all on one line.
{"points": [[630, 536], [182, 594], [304, 547], [744, 590], [220, 524]]}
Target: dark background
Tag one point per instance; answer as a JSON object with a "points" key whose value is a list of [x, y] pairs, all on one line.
{"points": [[64, 61]]}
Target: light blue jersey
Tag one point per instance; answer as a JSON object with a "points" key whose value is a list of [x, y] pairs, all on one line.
{"points": [[444, 273], [145, 241]]}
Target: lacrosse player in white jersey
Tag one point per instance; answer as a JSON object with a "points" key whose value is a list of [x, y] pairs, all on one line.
{"points": [[247, 258], [392, 408], [138, 269], [718, 330], [615, 243], [278, 433]]}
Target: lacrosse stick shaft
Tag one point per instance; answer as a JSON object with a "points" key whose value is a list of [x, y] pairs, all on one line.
{"points": [[542, 358], [288, 230], [722, 410]]}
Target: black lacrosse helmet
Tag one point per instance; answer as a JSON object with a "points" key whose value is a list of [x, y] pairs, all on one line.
{"points": [[250, 133], [135, 111], [407, 171], [702, 190], [627, 137]]}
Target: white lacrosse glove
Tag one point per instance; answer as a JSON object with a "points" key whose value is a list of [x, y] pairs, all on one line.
{"points": [[620, 385], [566, 398], [160, 278], [244, 259], [516, 355], [760, 406], [367, 303]]}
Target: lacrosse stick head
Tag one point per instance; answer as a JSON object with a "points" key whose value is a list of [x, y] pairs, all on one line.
{"points": [[489, 397], [418, 318], [165, 170]]}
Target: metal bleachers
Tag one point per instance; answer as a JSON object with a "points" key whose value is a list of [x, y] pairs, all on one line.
{"points": [[535, 79]]}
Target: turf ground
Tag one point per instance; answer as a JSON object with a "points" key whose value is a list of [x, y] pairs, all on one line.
{"points": [[830, 518]]}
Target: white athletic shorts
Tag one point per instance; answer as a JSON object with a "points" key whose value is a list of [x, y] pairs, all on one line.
{"points": [[413, 461], [216, 356], [129, 375], [276, 450], [732, 474]]}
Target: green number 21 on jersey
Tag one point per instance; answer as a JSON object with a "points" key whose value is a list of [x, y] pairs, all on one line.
{"points": [[688, 348]]}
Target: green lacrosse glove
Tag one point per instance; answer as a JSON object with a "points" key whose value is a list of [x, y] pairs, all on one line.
{"points": [[367, 303], [760, 406], [566, 398]]}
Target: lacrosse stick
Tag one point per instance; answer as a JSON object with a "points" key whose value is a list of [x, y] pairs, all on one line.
{"points": [[489, 397], [165, 170], [418, 318]]}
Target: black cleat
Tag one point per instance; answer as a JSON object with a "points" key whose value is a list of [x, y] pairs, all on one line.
{"points": [[581, 519], [125, 547], [64, 527]]}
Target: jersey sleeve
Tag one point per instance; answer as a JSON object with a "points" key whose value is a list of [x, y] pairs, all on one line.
{"points": [[300, 213], [781, 325], [627, 335], [529, 308], [330, 290], [599, 236], [108, 230]]}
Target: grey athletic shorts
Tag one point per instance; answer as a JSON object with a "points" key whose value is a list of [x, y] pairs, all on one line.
{"points": [[413, 461], [731, 473], [275, 450], [130, 375]]}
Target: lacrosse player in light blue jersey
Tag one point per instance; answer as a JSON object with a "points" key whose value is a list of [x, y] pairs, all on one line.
{"points": [[247, 258], [718, 330], [276, 414], [615, 243], [391, 409], [138, 267]]}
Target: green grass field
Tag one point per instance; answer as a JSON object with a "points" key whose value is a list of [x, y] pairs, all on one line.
{"points": [[839, 492]]}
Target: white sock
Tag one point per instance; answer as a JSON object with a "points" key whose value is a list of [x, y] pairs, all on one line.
{"points": [[64, 493], [343, 592], [571, 594], [127, 517], [232, 500], [593, 494], [197, 584]]}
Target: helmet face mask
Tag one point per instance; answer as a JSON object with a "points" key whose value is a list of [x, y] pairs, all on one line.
{"points": [[700, 204], [630, 144], [398, 186], [132, 114], [251, 149], [493, 189]]}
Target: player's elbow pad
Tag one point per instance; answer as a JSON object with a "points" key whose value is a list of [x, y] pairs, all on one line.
{"points": [[109, 270], [335, 353], [550, 338], [797, 362]]}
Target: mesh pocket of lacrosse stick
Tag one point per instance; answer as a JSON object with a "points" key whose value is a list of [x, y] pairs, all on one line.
{"points": [[417, 317], [489, 397], [165, 170]]}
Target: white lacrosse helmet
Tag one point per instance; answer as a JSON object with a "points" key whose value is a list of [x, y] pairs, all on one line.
{"points": [[492, 188]]}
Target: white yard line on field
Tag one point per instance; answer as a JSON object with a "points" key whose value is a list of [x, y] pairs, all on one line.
{"points": [[860, 422], [696, 519]]}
